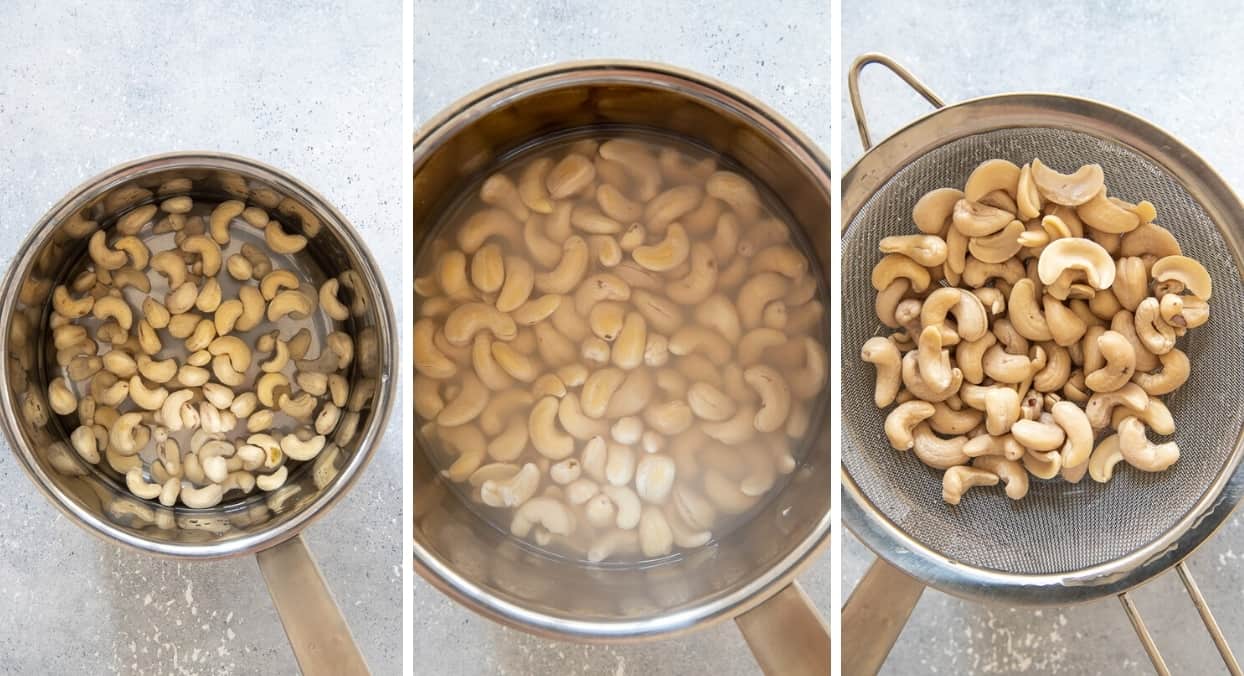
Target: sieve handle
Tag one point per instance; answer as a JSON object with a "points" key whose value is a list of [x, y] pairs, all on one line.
{"points": [[787, 635], [853, 85], [317, 631], [1207, 617], [875, 615]]}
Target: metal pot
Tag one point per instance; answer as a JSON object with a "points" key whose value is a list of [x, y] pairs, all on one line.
{"points": [[95, 497], [749, 575]]}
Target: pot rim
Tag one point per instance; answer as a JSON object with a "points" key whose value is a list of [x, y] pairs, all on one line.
{"points": [[705, 612], [382, 401]]}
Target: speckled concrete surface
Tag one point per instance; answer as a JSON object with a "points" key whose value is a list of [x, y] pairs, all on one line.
{"points": [[1185, 81], [781, 56], [313, 87]]}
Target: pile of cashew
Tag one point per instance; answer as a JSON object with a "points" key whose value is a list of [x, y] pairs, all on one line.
{"points": [[1032, 315], [190, 391], [620, 344]]}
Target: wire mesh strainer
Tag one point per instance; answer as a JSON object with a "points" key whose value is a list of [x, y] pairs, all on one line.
{"points": [[1063, 543]]}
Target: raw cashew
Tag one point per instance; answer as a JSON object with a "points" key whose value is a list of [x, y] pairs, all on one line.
{"points": [[975, 219], [1082, 255], [548, 513], [737, 429], [932, 212], [519, 282], [514, 491], [758, 292], [1068, 189], [1002, 410], [922, 389], [1152, 330], [573, 173], [700, 340], [592, 222], [671, 205], [200, 498], [736, 191], [484, 224], [1142, 454], [901, 422], [207, 250], [273, 481], [550, 441], [937, 452], [470, 401], [1156, 416], [957, 480], [701, 279], [1012, 473], [531, 186], [893, 267], [282, 242], [628, 350], [111, 307], [1000, 246], [569, 270], [576, 423], [883, 353], [927, 250], [537, 310], [67, 306], [104, 257], [667, 254], [468, 319], [670, 418], [1187, 271], [710, 403], [1174, 373], [1079, 431], [989, 176], [774, 397], [61, 398], [126, 433], [218, 222], [295, 304], [149, 399], [655, 536], [298, 449]]}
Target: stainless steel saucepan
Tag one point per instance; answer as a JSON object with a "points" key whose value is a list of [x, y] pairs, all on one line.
{"points": [[95, 496], [749, 575]]}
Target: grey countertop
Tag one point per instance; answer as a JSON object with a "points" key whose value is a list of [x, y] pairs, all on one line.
{"points": [[781, 57], [1185, 79], [312, 87]]}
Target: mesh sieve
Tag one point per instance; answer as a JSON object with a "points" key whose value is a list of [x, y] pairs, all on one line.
{"points": [[1059, 527]]}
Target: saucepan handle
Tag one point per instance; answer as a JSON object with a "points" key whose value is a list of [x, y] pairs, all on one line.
{"points": [[853, 86], [787, 635], [317, 631], [875, 615]]}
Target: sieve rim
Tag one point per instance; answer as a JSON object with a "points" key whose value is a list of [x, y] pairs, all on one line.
{"points": [[997, 112]]}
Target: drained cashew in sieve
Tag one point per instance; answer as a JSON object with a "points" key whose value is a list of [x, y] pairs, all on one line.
{"points": [[1079, 304]]}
